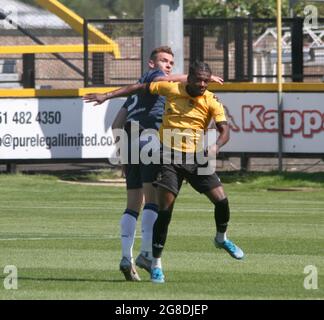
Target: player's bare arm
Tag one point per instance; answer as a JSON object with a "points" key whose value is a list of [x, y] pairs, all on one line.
{"points": [[137, 88], [223, 138], [121, 92], [184, 77]]}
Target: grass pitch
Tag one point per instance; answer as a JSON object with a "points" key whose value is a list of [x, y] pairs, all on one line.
{"points": [[64, 241]]}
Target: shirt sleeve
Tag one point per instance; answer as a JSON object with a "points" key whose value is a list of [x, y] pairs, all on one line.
{"points": [[217, 111], [162, 88]]}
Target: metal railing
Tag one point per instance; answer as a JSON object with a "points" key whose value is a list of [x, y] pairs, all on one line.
{"points": [[238, 49]]}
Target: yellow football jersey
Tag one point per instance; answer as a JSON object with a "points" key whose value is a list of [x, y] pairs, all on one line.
{"points": [[186, 118]]}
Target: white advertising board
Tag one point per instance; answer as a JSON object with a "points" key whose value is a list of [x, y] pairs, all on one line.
{"points": [[56, 128], [253, 119], [67, 128]]}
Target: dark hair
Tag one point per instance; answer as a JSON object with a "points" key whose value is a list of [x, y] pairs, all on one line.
{"points": [[165, 49], [199, 66]]}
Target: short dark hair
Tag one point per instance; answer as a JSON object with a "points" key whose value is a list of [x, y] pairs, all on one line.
{"points": [[165, 49], [199, 66]]}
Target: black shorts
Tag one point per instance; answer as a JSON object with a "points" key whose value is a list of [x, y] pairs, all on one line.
{"points": [[170, 177], [137, 174]]}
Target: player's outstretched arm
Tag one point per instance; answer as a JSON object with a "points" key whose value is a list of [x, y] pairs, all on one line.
{"points": [[183, 78], [121, 92], [172, 78]]}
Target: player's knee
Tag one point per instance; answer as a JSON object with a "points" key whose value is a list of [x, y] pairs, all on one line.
{"points": [[223, 198], [220, 194], [166, 201], [216, 195]]}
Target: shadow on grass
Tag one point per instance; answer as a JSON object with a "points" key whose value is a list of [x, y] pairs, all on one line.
{"points": [[82, 176], [53, 279]]}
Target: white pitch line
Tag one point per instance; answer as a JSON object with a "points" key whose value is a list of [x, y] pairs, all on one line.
{"points": [[292, 211], [78, 208], [60, 238]]}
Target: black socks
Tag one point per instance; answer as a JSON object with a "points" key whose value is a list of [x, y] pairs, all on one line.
{"points": [[222, 215], [160, 232]]}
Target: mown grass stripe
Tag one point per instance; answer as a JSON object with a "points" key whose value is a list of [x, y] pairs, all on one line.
{"points": [[67, 243]]}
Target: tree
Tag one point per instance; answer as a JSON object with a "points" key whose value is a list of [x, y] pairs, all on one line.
{"points": [[238, 8], [103, 8], [319, 5], [125, 8], [192, 8]]}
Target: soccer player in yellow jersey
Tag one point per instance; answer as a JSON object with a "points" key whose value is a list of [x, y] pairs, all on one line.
{"points": [[189, 108]]}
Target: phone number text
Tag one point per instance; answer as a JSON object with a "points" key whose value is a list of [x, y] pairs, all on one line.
{"points": [[26, 117]]}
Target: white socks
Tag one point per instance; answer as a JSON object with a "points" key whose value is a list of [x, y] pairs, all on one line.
{"points": [[148, 218], [127, 232], [220, 237]]}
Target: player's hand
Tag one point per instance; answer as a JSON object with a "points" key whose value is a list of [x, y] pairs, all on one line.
{"points": [[98, 98], [217, 79]]}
